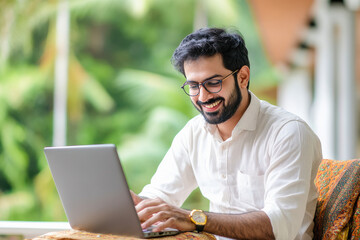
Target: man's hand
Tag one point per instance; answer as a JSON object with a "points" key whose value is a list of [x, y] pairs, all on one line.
{"points": [[136, 198], [163, 215], [238, 226]]}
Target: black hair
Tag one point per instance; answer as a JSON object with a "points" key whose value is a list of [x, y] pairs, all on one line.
{"points": [[208, 42]]}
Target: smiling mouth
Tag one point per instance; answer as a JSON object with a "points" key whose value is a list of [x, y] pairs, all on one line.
{"points": [[211, 106]]}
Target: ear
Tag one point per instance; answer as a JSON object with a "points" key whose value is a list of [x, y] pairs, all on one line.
{"points": [[243, 76]]}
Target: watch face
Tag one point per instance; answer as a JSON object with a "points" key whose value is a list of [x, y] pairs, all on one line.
{"points": [[199, 217]]}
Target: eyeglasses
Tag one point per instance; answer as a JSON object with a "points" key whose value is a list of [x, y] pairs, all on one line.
{"points": [[192, 88]]}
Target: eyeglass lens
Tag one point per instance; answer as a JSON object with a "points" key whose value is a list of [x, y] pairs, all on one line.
{"points": [[212, 86]]}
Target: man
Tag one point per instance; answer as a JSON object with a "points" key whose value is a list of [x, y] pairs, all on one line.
{"points": [[255, 162]]}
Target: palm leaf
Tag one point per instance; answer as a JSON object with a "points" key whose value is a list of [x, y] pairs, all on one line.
{"points": [[147, 90]]}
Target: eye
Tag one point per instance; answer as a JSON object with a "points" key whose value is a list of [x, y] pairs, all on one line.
{"points": [[193, 86], [213, 83]]}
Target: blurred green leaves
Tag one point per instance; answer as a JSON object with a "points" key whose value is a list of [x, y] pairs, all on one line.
{"points": [[148, 90], [122, 88]]}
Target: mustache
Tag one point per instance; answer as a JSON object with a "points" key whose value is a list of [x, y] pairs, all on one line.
{"points": [[199, 103]]}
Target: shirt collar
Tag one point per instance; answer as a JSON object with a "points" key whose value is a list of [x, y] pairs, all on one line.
{"points": [[247, 121], [249, 118]]}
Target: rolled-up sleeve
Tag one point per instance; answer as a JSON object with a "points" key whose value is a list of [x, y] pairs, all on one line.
{"points": [[174, 179], [294, 158]]}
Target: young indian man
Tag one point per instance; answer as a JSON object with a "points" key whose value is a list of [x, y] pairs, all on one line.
{"points": [[255, 162]]}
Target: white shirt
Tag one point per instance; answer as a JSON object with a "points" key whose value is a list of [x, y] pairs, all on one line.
{"points": [[269, 163]]}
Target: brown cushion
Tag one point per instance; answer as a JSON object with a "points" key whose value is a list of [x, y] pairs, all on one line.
{"points": [[355, 223], [338, 183]]}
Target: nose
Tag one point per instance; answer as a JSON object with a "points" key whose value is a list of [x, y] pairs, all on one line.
{"points": [[203, 94]]}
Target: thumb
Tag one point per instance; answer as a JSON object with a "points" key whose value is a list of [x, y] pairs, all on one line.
{"points": [[135, 198]]}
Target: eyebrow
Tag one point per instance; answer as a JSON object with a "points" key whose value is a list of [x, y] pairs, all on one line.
{"points": [[213, 76]]}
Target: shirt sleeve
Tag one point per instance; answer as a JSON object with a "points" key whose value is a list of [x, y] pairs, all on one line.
{"points": [[174, 179], [294, 159]]}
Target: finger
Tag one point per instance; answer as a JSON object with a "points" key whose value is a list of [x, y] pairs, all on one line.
{"points": [[135, 198], [151, 211], [156, 219], [145, 203], [169, 223], [175, 222]]}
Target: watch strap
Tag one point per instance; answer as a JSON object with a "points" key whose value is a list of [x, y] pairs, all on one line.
{"points": [[199, 228]]}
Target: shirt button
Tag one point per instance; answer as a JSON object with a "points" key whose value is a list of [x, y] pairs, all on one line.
{"points": [[223, 176]]}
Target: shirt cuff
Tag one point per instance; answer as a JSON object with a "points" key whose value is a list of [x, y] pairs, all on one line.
{"points": [[152, 193], [278, 223]]}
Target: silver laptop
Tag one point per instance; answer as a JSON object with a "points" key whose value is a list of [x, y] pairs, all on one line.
{"points": [[94, 192]]}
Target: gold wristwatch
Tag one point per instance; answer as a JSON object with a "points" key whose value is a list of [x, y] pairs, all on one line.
{"points": [[199, 218]]}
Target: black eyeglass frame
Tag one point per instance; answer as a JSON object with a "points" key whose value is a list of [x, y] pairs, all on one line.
{"points": [[204, 82]]}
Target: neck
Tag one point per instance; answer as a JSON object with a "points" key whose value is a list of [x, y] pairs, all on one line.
{"points": [[226, 128]]}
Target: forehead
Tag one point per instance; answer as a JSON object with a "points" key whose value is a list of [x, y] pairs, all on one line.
{"points": [[203, 67]]}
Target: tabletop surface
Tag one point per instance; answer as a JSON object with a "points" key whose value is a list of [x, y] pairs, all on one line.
{"points": [[80, 235]]}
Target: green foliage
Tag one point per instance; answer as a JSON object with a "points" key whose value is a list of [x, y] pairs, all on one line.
{"points": [[122, 88]]}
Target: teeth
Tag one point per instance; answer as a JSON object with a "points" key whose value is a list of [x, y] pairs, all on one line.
{"points": [[213, 104]]}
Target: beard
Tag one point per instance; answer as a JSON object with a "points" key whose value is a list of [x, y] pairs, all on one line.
{"points": [[224, 113]]}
